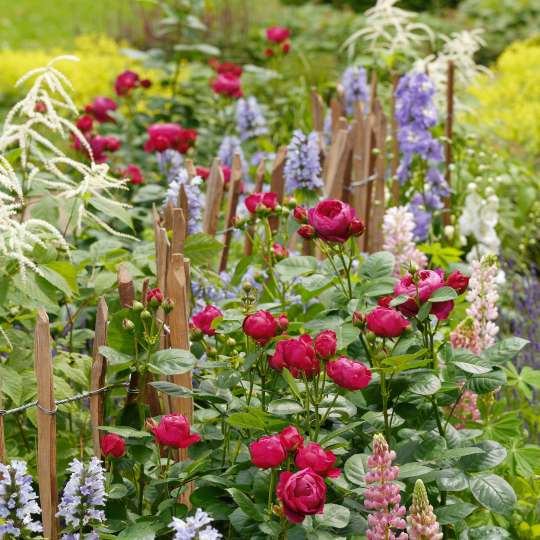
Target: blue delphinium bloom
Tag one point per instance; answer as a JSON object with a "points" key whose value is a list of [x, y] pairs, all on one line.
{"points": [[195, 527], [303, 165], [170, 162], [83, 498], [355, 87], [228, 147], [18, 502], [249, 118]]}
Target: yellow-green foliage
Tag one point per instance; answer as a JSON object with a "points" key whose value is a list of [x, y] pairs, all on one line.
{"points": [[510, 102], [101, 60]]}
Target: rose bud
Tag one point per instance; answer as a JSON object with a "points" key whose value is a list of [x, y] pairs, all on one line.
{"points": [[300, 214], [285, 48], [168, 306], [268, 52], [386, 322], [356, 227], [113, 445], [145, 315], [358, 319], [291, 439], [137, 306], [283, 322], [146, 83], [174, 430], [267, 452], [203, 320], [277, 34], [306, 231], [261, 326], [261, 202], [302, 494], [348, 374], [332, 220], [317, 459], [384, 301], [280, 252], [326, 344], [458, 282], [297, 355], [40, 107], [85, 123], [128, 325], [154, 297], [195, 334]]}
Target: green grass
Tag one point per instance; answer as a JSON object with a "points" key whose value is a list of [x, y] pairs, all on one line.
{"points": [[56, 23]]}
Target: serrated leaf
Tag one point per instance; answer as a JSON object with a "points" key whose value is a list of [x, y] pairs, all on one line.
{"points": [[487, 382], [245, 421], [296, 266], [284, 407], [201, 248], [448, 515], [114, 357], [171, 362], [504, 350], [377, 265], [443, 295], [333, 516], [493, 492], [425, 384], [246, 504], [126, 432], [355, 469], [492, 455]]}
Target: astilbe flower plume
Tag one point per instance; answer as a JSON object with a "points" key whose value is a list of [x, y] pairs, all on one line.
{"points": [[195, 527], [83, 498], [249, 118], [422, 522], [303, 166], [382, 495], [355, 87], [18, 502], [398, 226]]}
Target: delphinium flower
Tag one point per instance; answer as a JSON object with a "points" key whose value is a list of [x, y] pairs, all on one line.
{"points": [[249, 118], [83, 498], [229, 146], [18, 502], [382, 495], [207, 291], [398, 226], [303, 165], [194, 527], [170, 162], [422, 522], [355, 87]]}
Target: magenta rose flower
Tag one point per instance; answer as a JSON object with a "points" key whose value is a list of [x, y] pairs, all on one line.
{"points": [[428, 282], [267, 452], [297, 355], [348, 374], [112, 445], [125, 82], [227, 84], [267, 200], [277, 34], [162, 137], [261, 326], [134, 174], [291, 439], [458, 282], [317, 459], [326, 344], [100, 109], [85, 124], [174, 430], [302, 494], [203, 320], [386, 322], [333, 220]]}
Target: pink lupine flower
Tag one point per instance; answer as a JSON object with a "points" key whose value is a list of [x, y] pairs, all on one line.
{"points": [[422, 522], [382, 494], [398, 232]]}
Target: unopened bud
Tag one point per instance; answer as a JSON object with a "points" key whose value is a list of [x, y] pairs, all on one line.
{"points": [[212, 352], [231, 342], [128, 325], [358, 319], [168, 305], [306, 231], [146, 315], [137, 306], [300, 214], [246, 286]]}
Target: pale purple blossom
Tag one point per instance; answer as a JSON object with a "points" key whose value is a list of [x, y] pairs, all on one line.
{"points": [[355, 87], [250, 121], [194, 527], [303, 165], [229, 146]]}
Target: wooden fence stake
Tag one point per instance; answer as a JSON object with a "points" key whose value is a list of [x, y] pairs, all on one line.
{"points": [[234, 194], [46, 426], [126, 289], [449, 127], [395, 145], [179, 230], [259, 182], [97, 378], [277, 184], [214, 194], [317, 110], [3, 452], [335, 164]]}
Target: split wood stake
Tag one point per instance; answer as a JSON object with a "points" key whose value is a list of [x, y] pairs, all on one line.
{"points": [[97, 378], [259, 182], [449, 127], [277, 183], [46, 426], [214, 194], [347, 169], [183, 202], [335, 164], [3, 452], [126, 289], [234, 194], [190, 167], [178, 231], [167, 214], [317, 110], [395, 145]]}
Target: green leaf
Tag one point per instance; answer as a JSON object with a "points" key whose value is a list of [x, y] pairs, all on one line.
{"points": [[246, 504], [376, 419], [475, 369], [377, 265], [11, 385], [412, 470], [443, 294], [204, 48], [336, 433], [333, 516], [296, 266], [453, 453], [398, 300], [180, 391], [111, 210], [201, 248], [448, 515], [284, 407], [487, 382], [138, 531], [291, 381], [452, 480], [425, 384], [493, 492], [114, 357], [492, 455], [531, 377], [487, 532], [126, 432], [245, 421], [355, 469], [61, 275], [117, 491], [171, 362], [504, 350]]}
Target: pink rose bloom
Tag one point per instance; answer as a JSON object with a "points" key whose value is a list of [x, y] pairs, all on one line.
{"points": [[174, 430], [297, 355], [277, 34], [85, 124], [326, 344], [112, 445], [100, 109], [386, 322], [302, 493], [203, 320], [348, 373], [267, 200], [317, 459], [291, 439], [134, 174], [334, 221], [261, 326], [125, 82], [267, 452], [227, 84]]}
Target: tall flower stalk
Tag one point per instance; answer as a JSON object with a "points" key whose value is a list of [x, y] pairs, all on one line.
{"points": [[422, 522], [303, 167]]}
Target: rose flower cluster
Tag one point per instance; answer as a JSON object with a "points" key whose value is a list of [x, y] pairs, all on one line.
{"points": [[303, 492], [227, 80]]}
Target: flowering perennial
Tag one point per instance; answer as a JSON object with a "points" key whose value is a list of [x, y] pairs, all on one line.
{"points": [[194, 527], [249, 118], [422, 522], [355, 87], [303, 166]]}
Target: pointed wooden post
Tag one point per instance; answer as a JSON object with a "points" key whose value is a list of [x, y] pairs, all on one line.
{"points": [[277, 183], [126, 289], [190, 167], [183, 202], [395, 145], [46, 426], [97, 376], [3, 452], [167, 214], [317, 110], [335, 164], [178, 231], [449, 127], [259, 182], [214, 194], [234, 194]]}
